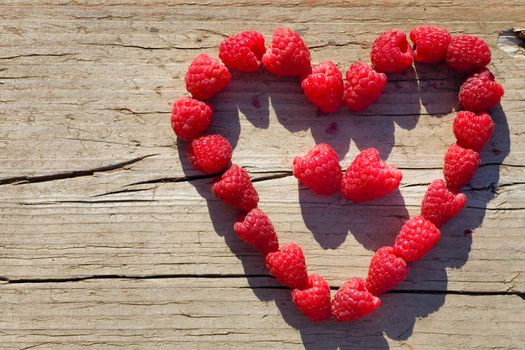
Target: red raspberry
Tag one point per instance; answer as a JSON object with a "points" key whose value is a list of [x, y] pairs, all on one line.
{"points": [[288, 266], [314, 300], [417, 237], [460, 165], [363, 86], [368, 177], [319, 169], [236, 189], [431, 43], [483, 73], [256, 229], [440, 204], [324, 86], [190, 118], [391, 52], [206, 77], [210, 153], [352, 301], [480, 93], [473, 130], [467, 53], [243, 51], [287, 55], [386, 271]]}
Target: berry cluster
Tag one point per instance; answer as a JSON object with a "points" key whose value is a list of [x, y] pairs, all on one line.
{"points": [[367, 177]]}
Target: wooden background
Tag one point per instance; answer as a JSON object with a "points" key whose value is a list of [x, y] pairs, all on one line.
{"points": [[108, 239]]}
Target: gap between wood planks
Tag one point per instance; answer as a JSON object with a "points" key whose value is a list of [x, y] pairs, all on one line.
{"points": [[273, 174], [265, 175], [6, 280]]}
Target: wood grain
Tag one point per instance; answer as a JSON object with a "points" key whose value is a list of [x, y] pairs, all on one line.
{"points": [[231, 314], [109, 239]]}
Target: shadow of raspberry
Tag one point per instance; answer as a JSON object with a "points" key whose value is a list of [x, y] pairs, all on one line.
{"points": [[399, 101], [364, 131], [374, 127], [423, 293], [332, 218], [438, 88], [427, 285], [223, 218], [249, 92], [251, 95], [225, 121]]}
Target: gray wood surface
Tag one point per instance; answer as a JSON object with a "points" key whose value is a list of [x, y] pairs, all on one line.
{"points": [[108, 238]]}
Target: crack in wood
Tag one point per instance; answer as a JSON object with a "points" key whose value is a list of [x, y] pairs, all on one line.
{"points": [[39, 55], [274, 174], [415, 185], [105, 201], [277, 175], [36, 345], [126, 110], [7, 280], [121, 201], [24, 77], [103, 17], [152, 48], [212, 32], [71, 174], [336, 44], [187, 178], [132, 277], [127, 190]]}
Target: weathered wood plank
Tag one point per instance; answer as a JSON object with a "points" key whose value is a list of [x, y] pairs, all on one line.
{"points": [[92, 183], [167, 225], [225, 313], [119, 123]]}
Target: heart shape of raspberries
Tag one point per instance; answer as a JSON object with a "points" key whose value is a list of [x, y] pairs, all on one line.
{"points": [[367, 177]]}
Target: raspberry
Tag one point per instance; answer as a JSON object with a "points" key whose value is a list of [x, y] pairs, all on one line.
{"points": [[473, 130], [483, 73], [440, 204], [352, 301], [190, 118], [236, 189], [210, 153], [417, 237], [206, 77], [460, 165], [319, 170], [368, 177], [243, 51], [314, 300], [363, 86], [467, 53], [431, 43], [287, 55], [324, 86], [391, 52], [288, 266], [256, 229], [480, 93], [386, 271]]}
